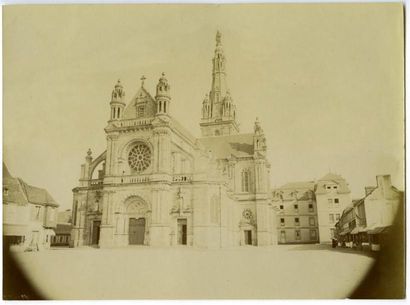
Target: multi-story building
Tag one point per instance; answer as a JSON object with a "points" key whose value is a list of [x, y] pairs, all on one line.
{"points": [[157, 184], [367, 220], [296, 213], [332, 197], [308, 211], [29, 214]]}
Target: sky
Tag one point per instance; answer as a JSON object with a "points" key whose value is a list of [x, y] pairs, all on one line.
{"points": [[325, 81]]}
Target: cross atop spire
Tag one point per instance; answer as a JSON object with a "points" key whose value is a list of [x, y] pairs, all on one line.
{"points": [[143, 78]]}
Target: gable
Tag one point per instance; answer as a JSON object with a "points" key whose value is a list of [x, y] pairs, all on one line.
{"points": [[141, 105]]}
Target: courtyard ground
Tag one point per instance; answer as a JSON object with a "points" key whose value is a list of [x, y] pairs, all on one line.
{"points": [[299, 271]]}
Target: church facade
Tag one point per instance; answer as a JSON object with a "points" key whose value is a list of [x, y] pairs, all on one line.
{"points": [[156, 184]]}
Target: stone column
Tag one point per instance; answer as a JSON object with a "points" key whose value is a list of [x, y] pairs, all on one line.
{"points": [[260, 176], [107, 227], [110, 160], [262, 214], [160, 229], [163, 149]]}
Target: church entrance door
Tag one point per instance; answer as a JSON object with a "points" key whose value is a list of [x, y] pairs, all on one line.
{"points": [[182, 232], [96, 232], [248, 237], [136, 231]]}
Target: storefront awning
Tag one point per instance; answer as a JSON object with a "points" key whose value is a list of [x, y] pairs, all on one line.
{"points": [[379, 230], [345, 231], [355, 231]]}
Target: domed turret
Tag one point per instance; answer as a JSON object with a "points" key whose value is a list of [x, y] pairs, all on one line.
{"points": [[117, 101], [163, 97]]}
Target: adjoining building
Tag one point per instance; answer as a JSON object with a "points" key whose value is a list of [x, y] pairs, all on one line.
{"points": [[62, 236], [63, 229], [368, 220], [29, 214], [296, 213], [333, 195], [308, 211], [156, 184]]}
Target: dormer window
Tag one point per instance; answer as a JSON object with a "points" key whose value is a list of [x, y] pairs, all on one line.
{"points": [[140, 111]]}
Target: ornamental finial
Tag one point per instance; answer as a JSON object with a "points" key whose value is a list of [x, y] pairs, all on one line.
{"points": [[218, 37], [257, 128]]}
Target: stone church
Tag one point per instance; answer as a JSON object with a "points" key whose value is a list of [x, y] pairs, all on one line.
{"points": [[156, 184]]}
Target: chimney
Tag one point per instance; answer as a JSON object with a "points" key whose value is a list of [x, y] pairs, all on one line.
{"points": [[384, 184]]}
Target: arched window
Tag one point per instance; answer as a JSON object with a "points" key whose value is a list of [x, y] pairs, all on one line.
{"points": [[246, 180], [217, 133], [165, 107], [214, 210], [160, 106], [119, 111]]}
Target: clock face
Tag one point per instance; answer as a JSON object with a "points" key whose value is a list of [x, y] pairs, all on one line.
{"points": [[139, 158]]}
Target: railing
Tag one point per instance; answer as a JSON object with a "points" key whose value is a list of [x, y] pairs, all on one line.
{"points": [[134, 122], [135, 179], [182, 178], [96, 182]]}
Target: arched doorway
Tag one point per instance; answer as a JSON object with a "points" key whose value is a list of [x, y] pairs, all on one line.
{"points": [[136, 231], [136, 220]]}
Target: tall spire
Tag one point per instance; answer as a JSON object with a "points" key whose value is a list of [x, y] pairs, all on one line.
{"points": [[218, 38], [219, 85], [219, 111]]}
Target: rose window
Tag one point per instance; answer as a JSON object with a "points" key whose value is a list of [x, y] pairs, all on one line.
{"points": [[247, 214], [139, 157]]}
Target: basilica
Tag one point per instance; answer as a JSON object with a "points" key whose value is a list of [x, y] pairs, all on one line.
{"points": [[156, 184]]}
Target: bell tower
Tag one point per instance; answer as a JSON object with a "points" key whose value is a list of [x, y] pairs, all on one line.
{"points": [[218, 109]]}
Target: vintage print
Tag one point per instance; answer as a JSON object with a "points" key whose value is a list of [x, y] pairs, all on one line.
{"points": [[242, 151]]}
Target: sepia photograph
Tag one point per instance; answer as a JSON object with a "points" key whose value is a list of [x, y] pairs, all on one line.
{"points": [[204, 151]]}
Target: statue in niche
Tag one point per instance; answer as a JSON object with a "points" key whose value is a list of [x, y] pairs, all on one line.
{"points": [[180, 205]]}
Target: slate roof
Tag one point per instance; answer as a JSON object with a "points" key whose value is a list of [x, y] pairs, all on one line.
{"points": [[331, 177], [304, 190], [63, 228], [221, 147], [298, 185], [15, 193], [22, 193]]}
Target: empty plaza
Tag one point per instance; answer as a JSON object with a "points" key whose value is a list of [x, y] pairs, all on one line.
{"points": [[292, 271]]}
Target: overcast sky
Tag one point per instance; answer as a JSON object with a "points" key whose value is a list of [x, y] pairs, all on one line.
{"points": [[326, 82]]}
